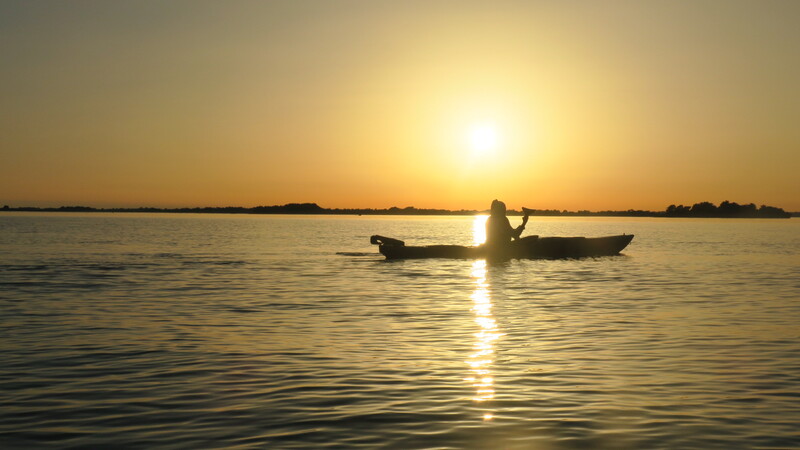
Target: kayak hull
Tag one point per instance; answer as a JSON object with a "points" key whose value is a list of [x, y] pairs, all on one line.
{"points": [[531, 247]]}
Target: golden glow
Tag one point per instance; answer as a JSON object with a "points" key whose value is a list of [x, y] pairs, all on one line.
{"points": [[521, 102]]}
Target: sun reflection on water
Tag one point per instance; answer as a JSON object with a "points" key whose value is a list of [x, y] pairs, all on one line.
{"points": [[479, 230], [482, 357]]}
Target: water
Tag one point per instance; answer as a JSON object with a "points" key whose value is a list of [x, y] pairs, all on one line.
{"points": [[198, 331]]}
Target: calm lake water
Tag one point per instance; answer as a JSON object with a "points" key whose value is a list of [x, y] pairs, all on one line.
{"points": [[198, 331]]}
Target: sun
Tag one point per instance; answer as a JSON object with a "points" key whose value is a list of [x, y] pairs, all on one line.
{"points": [[483, 138]]}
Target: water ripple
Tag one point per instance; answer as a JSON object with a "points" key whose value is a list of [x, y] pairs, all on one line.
{"points": [[230, 332]]}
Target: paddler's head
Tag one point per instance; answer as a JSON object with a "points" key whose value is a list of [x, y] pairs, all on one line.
{"points": [[498, 208]]}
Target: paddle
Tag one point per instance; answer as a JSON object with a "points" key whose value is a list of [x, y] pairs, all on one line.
{"points": [[521, 228], [527, 212]]}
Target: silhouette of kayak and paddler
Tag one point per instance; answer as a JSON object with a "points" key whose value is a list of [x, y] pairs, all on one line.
{"points": [[505, 242]]}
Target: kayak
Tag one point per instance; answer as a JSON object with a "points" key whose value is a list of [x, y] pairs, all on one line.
{"points": [[528, 247]]}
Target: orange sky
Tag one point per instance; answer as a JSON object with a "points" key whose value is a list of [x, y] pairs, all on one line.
{"points": [[595, 105]]}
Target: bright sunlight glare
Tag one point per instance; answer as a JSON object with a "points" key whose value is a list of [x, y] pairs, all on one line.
{"points": [[483, 138]]}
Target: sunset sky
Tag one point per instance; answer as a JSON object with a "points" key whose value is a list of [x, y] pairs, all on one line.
{"points": [[559, 104]]}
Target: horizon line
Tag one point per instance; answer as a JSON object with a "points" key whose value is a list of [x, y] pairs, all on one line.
{"points": [[699, 209]]}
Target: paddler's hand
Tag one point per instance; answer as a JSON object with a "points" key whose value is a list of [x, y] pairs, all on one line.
{"points": [[527, 212]]}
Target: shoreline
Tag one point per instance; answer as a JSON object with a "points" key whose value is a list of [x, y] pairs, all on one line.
{"points": [[313, 209]]}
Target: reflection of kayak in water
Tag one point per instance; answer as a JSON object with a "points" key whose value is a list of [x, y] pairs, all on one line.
{"points": [[527, 247]]}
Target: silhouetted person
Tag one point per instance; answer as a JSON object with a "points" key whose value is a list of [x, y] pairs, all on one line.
{"points": [[498, 229]]}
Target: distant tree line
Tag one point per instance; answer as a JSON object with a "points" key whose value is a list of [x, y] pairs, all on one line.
{"points": [[702, 209], [583, 212], [726, 209]]}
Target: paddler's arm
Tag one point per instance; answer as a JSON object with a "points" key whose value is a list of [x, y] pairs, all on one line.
{"points": [[517, 232]]}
